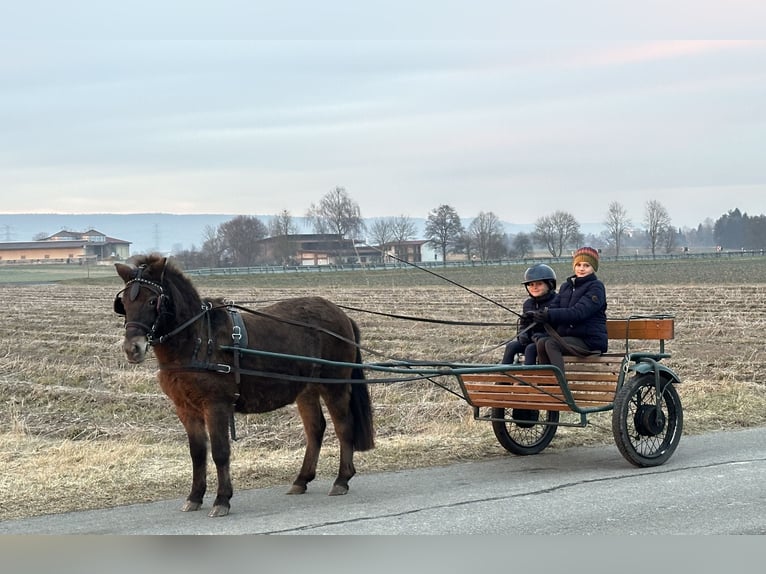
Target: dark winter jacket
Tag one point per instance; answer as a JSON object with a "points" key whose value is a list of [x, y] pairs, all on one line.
{"points": [[534, 304], [580, 311]]}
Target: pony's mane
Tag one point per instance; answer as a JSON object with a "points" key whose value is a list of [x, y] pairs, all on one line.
{"points": [[164, 270]]}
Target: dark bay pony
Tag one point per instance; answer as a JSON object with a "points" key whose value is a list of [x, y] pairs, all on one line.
{"points": [[208, 383]]}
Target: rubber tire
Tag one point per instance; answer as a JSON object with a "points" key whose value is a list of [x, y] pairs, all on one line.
{"points": [[640, 444], [526, 440]]}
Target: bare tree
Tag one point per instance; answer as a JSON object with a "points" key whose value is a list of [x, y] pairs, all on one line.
{"points": [[657, 223], [404, 228], [669, 239], [486, 233], [521, 246], [336, 213], [281, 227], [239, 237], [617, 226], [557, 231], [282, 224], [443, 229], [212, 247], [381, 232]]}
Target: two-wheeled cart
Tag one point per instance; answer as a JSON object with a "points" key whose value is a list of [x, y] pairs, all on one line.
{"points": [[524, 402]]}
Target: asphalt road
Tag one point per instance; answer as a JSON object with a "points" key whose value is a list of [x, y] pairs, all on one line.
{"points": [[713, 484]]}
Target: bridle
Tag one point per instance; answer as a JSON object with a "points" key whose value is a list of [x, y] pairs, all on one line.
{"points": [[133, 287]]}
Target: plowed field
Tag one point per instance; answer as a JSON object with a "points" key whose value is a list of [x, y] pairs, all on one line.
{"points": [[81, 428]]}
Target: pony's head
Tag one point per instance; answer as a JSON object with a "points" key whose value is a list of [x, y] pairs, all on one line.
{"points": [[145, 302]]}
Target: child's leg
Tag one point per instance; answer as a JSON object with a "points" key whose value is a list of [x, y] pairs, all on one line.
{"points": [[512, 349], [554, 351], [530, 354], [542, 354], [551, 349]]}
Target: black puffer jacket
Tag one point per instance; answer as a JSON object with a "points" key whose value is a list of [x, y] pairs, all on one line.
{"points": [[534, 304], [580, 311]]}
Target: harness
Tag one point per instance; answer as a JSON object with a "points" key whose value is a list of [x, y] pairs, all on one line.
{"points": [[239, 332], [239, 336]]}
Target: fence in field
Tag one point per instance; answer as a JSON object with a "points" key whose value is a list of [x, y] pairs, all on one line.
{"points": [[207, 271]]}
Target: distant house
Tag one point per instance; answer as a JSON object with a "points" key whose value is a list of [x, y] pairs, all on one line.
{"points": [[331, 249], [66, 247], [409, 251]]}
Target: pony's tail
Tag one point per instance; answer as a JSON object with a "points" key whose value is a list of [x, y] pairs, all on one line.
{"points": [[361, 406]]}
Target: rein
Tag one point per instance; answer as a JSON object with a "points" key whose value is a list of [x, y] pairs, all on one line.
{"points": [[443, 278], [426, 320], [239, 336]]}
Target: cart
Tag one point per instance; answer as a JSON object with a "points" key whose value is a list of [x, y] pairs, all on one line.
{"points": [[523, 402]]}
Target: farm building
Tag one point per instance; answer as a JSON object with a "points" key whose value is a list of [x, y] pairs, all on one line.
{"points": [[66, 247], [330, 249]]}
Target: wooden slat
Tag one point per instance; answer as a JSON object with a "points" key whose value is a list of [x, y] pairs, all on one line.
{"points": [[599, 392], [599, 377], [539, 390], [592, 381], [649, 329], [540, 376], [609, 386]]}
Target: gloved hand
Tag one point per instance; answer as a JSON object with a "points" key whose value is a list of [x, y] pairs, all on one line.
{"points": [[523, 338], [539, 316]]}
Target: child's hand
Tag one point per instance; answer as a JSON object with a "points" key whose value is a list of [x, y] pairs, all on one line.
{"points": [[538, 316]]}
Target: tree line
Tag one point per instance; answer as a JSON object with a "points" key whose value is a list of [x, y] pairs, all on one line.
{"points": [[236, 242]]}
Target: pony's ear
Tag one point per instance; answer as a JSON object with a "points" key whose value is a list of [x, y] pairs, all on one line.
{"points": [[124, 271]]}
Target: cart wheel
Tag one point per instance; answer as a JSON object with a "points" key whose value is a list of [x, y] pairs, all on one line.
{"points": [[524, 438], [646, 433]]}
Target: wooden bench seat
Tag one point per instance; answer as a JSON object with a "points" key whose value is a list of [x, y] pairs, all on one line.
{"points": [[591, 382]]}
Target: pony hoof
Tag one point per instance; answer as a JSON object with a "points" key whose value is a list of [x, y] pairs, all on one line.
{"points": [[297, 489], [338, 489], [218, 510], [190, 506]]}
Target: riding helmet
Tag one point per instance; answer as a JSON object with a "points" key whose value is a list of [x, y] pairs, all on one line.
{"points": [[540, 272]]}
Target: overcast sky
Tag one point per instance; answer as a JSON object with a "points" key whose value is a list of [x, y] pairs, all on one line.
{"points": [[520, 128]]}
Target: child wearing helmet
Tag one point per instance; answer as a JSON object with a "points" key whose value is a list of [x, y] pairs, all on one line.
{"points": [[579, 317], [540, 283]]}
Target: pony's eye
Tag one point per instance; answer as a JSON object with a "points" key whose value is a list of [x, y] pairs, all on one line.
{"points": [[152, 302]]}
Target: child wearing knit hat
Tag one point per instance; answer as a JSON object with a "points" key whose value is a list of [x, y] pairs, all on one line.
{"points": [[577, 322], [587, 255]]}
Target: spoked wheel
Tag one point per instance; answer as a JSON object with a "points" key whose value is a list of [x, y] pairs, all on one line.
{"points": [[647, 425], [527, 436]]}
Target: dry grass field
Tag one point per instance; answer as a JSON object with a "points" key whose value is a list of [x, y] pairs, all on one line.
{"points": [[81, 428]]}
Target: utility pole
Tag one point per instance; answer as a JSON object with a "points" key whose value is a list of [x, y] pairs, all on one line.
{"points": [[156, 237]]}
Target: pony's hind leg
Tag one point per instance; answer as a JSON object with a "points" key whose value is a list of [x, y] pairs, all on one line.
{"points": [[195, 431], [337, 402], [314, 425]]}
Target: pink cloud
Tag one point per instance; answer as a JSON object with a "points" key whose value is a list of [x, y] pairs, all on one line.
{"points": [[620, 55]]}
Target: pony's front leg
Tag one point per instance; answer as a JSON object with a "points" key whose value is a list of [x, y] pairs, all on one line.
{"points": [[220, 447], [195, 431]]}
